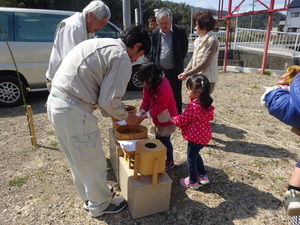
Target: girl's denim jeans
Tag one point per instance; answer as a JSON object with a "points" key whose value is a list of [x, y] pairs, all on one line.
{"points": [[194, 161]]}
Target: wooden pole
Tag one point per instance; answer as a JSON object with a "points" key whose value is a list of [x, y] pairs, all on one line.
{"points": [[31, 125], [28, 108]]}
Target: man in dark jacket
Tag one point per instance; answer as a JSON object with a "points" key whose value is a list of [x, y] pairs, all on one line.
{"points": [[169, 48]]}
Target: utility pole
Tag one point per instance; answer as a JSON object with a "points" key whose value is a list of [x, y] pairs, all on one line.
{"points": [[251, 25], [140, 12], [192, 31], [126, 14], [155, 12]]}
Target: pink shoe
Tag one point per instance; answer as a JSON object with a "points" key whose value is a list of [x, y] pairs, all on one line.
{"points": [[186, 183], [203, 180]]}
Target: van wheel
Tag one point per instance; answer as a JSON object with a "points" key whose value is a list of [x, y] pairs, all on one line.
{"points": [[10, 92], [134, 84]]}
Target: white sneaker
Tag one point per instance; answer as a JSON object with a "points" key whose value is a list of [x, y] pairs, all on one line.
{"points": [[291, 201]]}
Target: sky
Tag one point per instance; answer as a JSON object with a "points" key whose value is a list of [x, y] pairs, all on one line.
{"points": [[245, 7]]}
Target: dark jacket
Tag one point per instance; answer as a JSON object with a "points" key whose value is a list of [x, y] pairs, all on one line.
{"points": [[180, 46]]}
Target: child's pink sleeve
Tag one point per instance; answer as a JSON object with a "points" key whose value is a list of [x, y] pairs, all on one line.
{"points": [[182, 119], [145, 105]]}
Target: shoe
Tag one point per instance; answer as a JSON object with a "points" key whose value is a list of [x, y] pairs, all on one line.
{"points": [[185, 182], [116, 205], [203, 180], [296, 130], [291, 201], [169, 165], [111, 189], [86, 203]]}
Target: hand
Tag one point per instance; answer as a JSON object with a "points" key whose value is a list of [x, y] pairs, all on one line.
{"points": [[182, 76], [142, 117], [282, 81], [286, 87], [139, 120], [142, 111], [114, 120], [132, 119]]}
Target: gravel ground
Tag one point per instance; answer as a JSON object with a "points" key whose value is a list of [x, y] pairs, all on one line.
{"points": [[249, 162]]}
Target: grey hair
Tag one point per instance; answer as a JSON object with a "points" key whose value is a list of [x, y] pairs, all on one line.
{"points": [[164, 12], [98, 8]]}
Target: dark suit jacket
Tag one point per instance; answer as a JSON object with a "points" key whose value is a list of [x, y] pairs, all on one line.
{"points": [[180, 46]]}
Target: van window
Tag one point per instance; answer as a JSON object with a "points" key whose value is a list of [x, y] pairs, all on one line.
{"points": [[35, 27], [107, 32], [6, 21], [30, 33]]}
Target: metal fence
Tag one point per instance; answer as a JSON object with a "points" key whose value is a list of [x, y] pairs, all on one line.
{"points": [[220, 35], [280, 43]]}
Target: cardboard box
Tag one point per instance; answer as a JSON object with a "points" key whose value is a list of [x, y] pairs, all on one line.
{"points": [[142, 197]]}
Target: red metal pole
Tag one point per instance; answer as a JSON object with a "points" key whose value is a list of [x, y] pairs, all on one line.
{"points": [[226, 45], [227, 36], [265, 54]]}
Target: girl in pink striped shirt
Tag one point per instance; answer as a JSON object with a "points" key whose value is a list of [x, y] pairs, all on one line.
{"points": [[196, 129]]}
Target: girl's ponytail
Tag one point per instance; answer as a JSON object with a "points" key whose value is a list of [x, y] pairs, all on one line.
{"points": [[201, 82]]}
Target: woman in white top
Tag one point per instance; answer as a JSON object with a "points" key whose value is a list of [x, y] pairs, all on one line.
{"points": [[206, 51]]}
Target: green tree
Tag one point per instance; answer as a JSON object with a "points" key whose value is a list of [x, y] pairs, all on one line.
{"points": [[260, 21], [115, 7], [181, 11]]}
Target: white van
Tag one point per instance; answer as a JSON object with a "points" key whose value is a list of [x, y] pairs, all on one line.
{"points": [[30, 34]]}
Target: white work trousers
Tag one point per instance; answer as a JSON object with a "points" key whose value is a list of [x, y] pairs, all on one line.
{"points": [[80, 139]]}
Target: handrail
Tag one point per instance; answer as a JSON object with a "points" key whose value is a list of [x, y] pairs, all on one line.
{"points": [[280, 43]]}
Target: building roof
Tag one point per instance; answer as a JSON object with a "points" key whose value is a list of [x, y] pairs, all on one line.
{"points": [[295, 4]]}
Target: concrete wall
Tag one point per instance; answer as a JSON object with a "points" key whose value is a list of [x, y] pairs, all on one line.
{"points": [[253, 59]]}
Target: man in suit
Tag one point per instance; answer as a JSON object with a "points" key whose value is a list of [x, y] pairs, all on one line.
{"points": [[169, 48]]}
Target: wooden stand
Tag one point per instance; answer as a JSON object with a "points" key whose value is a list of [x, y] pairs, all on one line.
{"points": [[145, 195], [142, 196], [150, 157], [129, 157]]}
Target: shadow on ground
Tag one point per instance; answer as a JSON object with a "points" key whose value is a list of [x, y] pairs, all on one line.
{"points": [[239, 200]]}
